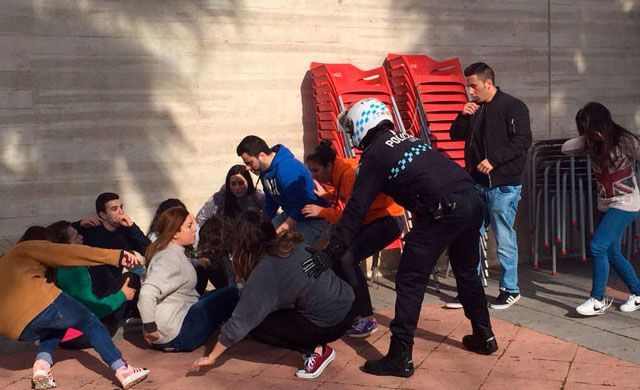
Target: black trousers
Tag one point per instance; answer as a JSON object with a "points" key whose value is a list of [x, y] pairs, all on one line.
{"points": [[220, 273], [459, 231], [291, 330], [372, 238]]}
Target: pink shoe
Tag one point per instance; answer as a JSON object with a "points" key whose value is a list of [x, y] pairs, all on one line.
{"points": [[130, 376]]}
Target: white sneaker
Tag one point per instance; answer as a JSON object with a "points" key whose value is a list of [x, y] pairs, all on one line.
{"points": [[632, 304], [455, 304], [130, 376], [42, 377], [593, 307]]}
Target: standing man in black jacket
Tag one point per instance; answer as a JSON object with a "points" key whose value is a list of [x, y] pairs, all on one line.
{"points": [[497, 133], [448, 213]]}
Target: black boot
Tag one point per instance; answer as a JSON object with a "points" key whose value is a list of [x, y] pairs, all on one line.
{"points": [[398, 362], [482, 340]]}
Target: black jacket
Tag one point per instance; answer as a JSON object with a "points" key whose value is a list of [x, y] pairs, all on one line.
{"points": [[105, 277], [404, 168], [507, 138]]}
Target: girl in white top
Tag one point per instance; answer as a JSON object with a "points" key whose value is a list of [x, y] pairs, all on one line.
{"points": [[174, 316], [614, 152]]}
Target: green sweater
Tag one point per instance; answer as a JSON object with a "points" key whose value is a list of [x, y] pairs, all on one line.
{"points": [[76, 282]]}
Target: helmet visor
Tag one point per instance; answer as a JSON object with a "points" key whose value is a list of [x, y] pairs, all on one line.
{"points": [[345, 122]]}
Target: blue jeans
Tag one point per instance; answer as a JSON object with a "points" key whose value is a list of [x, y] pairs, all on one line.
{"points": [[65, 312], [202, 319], [311, 229], [605, 250], [501, 203]]}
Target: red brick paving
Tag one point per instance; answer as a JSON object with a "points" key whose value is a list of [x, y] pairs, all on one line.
{"points": [[526, 360]]}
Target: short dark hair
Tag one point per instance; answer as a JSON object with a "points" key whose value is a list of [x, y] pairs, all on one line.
{"points": [[482, 70], [58, 231], [102, 200], [253, 146]]}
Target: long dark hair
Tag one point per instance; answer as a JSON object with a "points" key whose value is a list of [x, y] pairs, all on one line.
{"points": [[162, 207], [600, 132], [213, 233], [253, 236], [231, 207], [36, 233], [40, 233]]}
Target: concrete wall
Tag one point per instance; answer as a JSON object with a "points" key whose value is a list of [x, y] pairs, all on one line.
{"points": [[149, 98]]}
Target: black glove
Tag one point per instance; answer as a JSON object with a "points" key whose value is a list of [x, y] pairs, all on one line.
{"points": [[317, 263], [322, 260]]}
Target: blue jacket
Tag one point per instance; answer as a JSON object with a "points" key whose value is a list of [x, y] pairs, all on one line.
{"points": [[288, 184]]}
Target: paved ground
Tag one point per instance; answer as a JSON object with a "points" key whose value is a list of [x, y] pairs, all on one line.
{"points": [[589, 353], [548, 306]]}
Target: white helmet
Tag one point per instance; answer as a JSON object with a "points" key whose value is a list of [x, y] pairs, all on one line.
{"points": [[363, 116]]}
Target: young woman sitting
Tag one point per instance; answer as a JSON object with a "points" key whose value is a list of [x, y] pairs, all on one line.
{"points": [[238, 194], [208, 269], [33, 308], [174, 316], [279, 304]]}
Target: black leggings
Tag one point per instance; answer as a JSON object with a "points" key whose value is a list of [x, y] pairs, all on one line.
{"points": [[220, 274], [291, 330], [372, 238]]}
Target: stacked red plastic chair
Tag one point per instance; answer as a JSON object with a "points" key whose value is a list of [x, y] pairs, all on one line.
{"points": [[335, 88], [429, 94]]}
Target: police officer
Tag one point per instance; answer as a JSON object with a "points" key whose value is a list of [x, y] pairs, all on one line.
{"points": [[447, 213]]}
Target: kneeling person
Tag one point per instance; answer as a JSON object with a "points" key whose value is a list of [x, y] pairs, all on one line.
{"points": [[279, 305]]}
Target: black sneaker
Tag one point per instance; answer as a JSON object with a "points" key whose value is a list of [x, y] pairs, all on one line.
{"points": [[482, 341], [505, 300]]}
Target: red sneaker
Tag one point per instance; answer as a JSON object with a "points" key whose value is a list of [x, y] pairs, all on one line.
{"points": [[315, 363]]}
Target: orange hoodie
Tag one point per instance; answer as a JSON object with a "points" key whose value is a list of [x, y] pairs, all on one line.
{"points": [[344, 176]]}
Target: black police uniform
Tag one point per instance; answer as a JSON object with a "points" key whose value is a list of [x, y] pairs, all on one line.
{"points": [[447, 210]]}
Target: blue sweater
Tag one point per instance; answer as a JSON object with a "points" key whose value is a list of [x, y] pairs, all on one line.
{"points": [[288, 184]]}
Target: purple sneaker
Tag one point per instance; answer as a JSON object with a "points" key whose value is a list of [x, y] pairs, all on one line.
{"points": [[363, 327]]}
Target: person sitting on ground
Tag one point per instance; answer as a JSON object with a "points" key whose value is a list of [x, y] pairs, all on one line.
{"points": [[174, 316], [216, 270], [382, 225], [236, 195], [614, 152], [33, 308], [112, 228], [279, 305], [76, 282]]}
